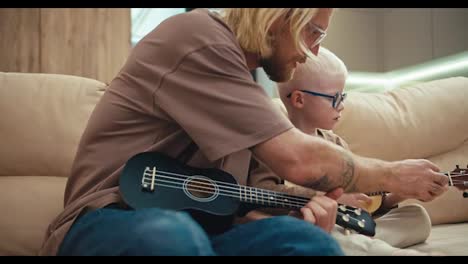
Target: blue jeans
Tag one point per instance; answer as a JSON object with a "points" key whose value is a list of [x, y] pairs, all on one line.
{"points": [[153, 231]]}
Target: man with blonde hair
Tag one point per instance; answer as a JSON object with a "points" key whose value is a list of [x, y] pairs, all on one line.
{"points": [[186, 91], [313, 100]]}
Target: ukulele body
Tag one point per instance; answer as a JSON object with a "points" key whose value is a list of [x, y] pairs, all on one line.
{"points": [[198, 195], [376, 201]]}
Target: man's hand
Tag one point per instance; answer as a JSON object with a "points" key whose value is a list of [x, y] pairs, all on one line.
{"points": [[321, 210], [417, 178], [359, 200]]}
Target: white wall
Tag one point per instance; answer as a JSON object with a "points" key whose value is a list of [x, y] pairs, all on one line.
{"points": [[354, 36], [384, 39]]}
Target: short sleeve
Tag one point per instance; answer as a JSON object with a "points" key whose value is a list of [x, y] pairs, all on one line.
{"points": [[213, 97], [261, 174], [341, 142], [332, 137]]}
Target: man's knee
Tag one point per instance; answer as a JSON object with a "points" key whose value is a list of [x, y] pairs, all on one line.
{"points": [[162, 232], [298, 237]]}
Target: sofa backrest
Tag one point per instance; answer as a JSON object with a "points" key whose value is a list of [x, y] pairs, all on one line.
{"points": [[42, 119], [423, 120]]}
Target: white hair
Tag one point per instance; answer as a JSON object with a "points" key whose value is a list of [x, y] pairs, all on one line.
{"points": [[322, 70]]}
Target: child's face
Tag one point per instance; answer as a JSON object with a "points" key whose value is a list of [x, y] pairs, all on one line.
{"points": [[318, 110]]}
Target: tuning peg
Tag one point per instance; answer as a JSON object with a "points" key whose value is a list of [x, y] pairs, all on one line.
{"points": [[345, 218], [465, 194], [347, 232], [358, 211], [457, 166], [342, 208]]}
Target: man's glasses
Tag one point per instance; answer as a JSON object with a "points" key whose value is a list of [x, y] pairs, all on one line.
{"points": [[316, 33], [336, 99]]}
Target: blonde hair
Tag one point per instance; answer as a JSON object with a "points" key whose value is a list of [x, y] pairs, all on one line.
{"points": [[251, 26], [316, 71]]}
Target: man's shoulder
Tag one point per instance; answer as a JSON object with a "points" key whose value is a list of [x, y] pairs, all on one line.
{"points": [[201, 25], [196, 37], [279, 105]]}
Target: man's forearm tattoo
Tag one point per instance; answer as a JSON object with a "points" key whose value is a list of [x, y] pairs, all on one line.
{"points": [[322, 184], [348, 173], [347, 177], [347, 181]]}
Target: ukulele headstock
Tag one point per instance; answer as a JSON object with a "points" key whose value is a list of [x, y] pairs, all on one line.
{"points": [[459, 177], [356, 219]]}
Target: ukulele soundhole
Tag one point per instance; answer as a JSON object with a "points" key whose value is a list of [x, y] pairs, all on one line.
{"points": [[201, 189]]}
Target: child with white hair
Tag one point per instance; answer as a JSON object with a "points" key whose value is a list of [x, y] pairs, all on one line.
{"points": [[313, 100]]}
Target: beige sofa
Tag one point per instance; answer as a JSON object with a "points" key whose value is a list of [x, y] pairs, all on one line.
{"points": [[426, 120], [43, 116]]}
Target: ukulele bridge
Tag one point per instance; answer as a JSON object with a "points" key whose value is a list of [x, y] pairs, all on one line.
{"points": [[148, 180]]}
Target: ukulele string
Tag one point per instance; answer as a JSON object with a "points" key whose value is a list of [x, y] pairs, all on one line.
{"points": [[236, 187], [268, 197], [263, 200], [225, 192], [233, 192], [265, 196], [457, 175], [295, 205], [278, 193], [454, 175], [262, 192]]}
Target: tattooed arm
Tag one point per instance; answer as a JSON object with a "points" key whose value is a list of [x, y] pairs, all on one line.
{"points": [[309, 161], [316, 163]]}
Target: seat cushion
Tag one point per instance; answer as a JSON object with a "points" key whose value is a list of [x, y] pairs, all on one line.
{"points": [[448, 239], [29, 203]]}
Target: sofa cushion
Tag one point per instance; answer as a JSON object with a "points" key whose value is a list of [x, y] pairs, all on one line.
{"points": [[448, 239], [423, 120], [29, 203], [43, 117]]}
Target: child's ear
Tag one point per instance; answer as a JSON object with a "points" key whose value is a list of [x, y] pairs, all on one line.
{"points": [[297, 99]]}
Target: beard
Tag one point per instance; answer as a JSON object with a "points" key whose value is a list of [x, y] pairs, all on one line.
{"points": [[276, 69]]}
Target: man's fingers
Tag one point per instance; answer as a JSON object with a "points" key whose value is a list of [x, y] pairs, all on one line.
{"points": [[432, 166], [426, 196], [438, 190], [335, 194], [308, 215], [441, 179], [296, 214], [433, 191], [328, 204], [322, 217]]}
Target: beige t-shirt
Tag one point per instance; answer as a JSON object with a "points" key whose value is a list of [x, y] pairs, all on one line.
{"points": [[186, 91]]}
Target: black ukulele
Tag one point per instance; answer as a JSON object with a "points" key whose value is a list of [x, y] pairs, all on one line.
{"points": [[212, 196]]}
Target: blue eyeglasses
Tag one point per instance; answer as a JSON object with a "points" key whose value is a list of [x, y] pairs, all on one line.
{"points": [[336, 99]]}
